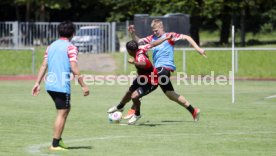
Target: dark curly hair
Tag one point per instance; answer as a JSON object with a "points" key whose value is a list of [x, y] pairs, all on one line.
{"points": [[66, 29], [132, 46]]}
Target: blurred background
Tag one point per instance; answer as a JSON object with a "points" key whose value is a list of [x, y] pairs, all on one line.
{"points": [[102, 25], [210, 20]]}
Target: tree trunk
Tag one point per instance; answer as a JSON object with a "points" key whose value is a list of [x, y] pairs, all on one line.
{"points": [[17, 13], [243, 27], [28, 7], [196, 21], [226, 22], [194, 29], [42, 11]]}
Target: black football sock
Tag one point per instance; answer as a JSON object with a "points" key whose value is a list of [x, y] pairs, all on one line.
{"points": [[191, 109], [137, 112], [120, 106], [55, 142]]}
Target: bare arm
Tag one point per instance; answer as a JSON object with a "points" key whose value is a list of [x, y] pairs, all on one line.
{"points": [[194, 45], [41, 73], [153, 44], [159, 41], [133, 35], [138, 64], [76, 72]]}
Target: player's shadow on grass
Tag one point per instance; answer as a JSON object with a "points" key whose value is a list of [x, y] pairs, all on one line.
{"points": [[149, 124], [79, 147], [174, 121], [163, 123]]}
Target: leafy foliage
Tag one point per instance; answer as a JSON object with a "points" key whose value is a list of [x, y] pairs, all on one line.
{"points": [[247, 15]]}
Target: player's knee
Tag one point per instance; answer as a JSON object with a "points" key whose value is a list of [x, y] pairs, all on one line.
{"points": [[63, 113], [134, 96], [129, 92], [172, 95], [67, 111]]}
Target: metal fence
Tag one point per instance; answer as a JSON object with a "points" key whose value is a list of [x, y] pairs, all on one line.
{"points": [[6, 34], [236, 54], [185, 50], [90, 36]]}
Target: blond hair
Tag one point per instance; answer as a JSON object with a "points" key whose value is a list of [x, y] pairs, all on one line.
{"points": [[156, 23]]}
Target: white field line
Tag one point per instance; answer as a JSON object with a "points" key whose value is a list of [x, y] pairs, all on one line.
{"points": [[270, 97], [35, 149]]}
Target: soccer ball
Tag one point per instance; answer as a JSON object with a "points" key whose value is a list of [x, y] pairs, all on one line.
{"points": [[115, 117]]}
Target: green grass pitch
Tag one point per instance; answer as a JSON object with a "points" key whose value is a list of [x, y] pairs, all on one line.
{"points": [[246, 128]]}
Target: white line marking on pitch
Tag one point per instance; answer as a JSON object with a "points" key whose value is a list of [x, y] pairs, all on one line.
{"points": [[270, 97], [35, 149]]}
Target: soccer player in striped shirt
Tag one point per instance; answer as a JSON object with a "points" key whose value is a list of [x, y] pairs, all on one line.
{"points": [[60, 60], [163, 59], [145, 82]]}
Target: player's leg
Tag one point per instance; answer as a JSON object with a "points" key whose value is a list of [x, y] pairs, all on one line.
{"points": [[125, 99], [130, 112], [167, 88], [147, 89], [120, 107], [172, 95], [59, 125], [62, 103], [181, 100], [136, 104], [136, 95]]}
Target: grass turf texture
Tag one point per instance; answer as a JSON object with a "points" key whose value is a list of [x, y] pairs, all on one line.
{"points": [[19, 62], [245, 128]]}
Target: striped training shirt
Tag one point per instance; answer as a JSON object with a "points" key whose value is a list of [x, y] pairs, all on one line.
{"points": [[59, 55]]}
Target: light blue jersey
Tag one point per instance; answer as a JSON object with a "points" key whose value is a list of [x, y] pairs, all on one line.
{"points": [[163, 54], [58, 55]]}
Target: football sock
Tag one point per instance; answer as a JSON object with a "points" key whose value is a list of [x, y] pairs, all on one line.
{"points": [[120, 106], [137, 113], [191, 109], [55, 142]]}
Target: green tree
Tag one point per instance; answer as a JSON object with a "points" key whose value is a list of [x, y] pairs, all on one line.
{"points": [[123, 10], [193, 7], [39, 8]]}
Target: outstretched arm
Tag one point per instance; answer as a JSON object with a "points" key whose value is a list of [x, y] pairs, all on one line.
{"points": [[194, 44], [131, 30], [159, 41], [41, 73], [142, 63], [133, 35]]}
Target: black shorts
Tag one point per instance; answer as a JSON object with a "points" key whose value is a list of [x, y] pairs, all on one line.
{"points": [[164, 79], [62, 100], [142, 89]]}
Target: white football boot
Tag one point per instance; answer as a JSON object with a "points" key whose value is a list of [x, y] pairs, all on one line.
{"points": [[114, 109], [134, 119]]}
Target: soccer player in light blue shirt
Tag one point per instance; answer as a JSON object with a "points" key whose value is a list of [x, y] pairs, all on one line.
{"points": [[163, 59], [60, 60]]}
